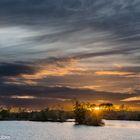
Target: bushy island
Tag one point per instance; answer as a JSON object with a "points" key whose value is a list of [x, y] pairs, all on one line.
{"points": [[87, 114], [83, 114]]}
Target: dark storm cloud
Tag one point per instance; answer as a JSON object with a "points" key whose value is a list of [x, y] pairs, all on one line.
{"points": [[14, 69], [49, 95], [121, 18], [105, 13]]}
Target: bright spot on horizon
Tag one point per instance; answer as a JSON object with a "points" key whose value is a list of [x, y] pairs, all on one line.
{"points": [[97, 108]]}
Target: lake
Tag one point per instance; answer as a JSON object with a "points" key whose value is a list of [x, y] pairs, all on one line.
{"points": [[25, 130]]}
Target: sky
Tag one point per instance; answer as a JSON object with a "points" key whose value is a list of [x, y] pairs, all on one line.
{"points": [[54, 51]]}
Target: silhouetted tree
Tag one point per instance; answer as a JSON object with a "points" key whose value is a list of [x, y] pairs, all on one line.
{"points": [[84, 115], [107, 106], [80, 113]]}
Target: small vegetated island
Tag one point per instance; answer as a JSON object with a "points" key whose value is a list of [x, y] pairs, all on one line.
{"points": [[87, 114], [83, 113]]}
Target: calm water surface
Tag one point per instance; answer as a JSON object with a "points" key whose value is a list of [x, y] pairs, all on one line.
{"points": [[114, 130]]}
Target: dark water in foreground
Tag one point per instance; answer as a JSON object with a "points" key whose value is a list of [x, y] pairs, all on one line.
{"points": [[114, 130]]}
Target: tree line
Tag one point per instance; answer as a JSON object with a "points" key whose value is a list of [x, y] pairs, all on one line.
{"points": [[83, 113]]}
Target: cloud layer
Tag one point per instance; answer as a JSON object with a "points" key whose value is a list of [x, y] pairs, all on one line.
{"points": [[69, 49]]}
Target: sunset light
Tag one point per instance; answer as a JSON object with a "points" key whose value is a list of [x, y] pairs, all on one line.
{"points": [[97, 108], [66, 63]]}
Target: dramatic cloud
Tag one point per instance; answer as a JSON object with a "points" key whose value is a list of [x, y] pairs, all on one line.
{"points": [[14, 69], [84, 45], [132, 99], [22, 95]]}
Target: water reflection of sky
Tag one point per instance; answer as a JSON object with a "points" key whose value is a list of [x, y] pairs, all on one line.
{"points": [[22, 130], [122, 124]]}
